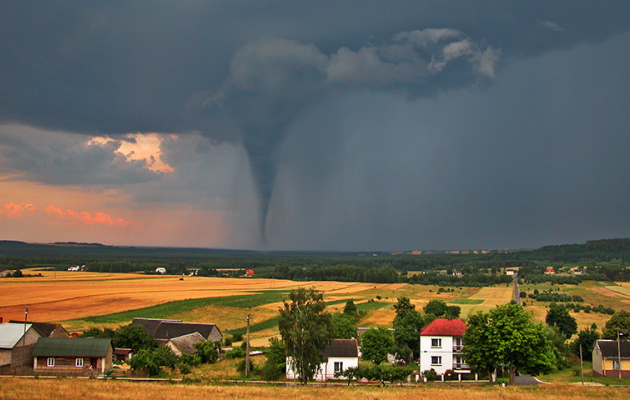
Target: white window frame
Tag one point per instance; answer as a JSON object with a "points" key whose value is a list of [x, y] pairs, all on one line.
{"points": [[78, 363], [50, 362], [436, 343], [338, 366], [436, 360], [615, 364]]}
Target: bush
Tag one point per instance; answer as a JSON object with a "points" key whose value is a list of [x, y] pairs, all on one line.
{"points": [[430, 375], [241, 366]]}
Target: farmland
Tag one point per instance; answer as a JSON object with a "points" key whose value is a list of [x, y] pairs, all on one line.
{"points": [[81, 300]]}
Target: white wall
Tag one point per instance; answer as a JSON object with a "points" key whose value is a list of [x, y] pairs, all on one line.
{"points": [[445, 351], [326, 370]]}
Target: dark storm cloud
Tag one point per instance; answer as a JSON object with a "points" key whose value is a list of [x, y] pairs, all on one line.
{"points": [[176, 67], [63, 159], [119, 67]]}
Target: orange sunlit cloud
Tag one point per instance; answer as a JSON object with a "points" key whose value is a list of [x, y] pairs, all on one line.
{"points": [[146, 147], [11, 210], [85, 217], [15, 210]]}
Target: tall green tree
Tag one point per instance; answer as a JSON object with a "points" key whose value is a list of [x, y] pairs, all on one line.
{"points": [[478, 347], [133, 337], [345, 327], [350, 309], [306, 330], [376, 344], [586, 339], [407, 335], [510, 337], [402, 307], [620, 320], [559, 317], [436, 307]]}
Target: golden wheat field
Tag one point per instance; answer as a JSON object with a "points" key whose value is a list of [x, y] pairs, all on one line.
{"points": [[73, 295], [27, 389]]}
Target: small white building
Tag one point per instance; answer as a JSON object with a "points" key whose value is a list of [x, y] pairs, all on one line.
{"points": [[340, 355], [160, 270], [441, 346]]}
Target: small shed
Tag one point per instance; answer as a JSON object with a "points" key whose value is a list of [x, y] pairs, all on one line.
{"points": [[122, 354], [68, 356], [606, 358]]}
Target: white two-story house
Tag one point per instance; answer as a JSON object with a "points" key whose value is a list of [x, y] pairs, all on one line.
{"points": [[441, 345]]}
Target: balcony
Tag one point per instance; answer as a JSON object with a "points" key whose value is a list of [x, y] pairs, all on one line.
{"points": [[458, 348], [460, 366]]}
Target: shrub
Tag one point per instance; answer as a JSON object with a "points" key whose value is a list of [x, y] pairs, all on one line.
{"points": [[430, 375]]}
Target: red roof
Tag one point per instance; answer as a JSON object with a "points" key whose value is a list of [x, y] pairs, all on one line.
{"points": [[444, 327]]}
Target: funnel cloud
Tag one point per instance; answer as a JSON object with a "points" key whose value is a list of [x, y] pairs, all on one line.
{"points": [[319, 125], [272, 80]]}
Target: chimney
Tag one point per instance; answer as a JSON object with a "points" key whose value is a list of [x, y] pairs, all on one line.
{"points": [[75, 335]]}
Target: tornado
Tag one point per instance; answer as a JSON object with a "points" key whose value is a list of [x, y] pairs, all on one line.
{"points": [[273, 80]]}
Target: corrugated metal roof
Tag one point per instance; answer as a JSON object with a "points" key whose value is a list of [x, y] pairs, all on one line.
{"points": [[10, 334], [70, 347]]}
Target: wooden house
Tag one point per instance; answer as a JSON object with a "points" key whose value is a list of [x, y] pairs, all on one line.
{"points": [[69, 356]]}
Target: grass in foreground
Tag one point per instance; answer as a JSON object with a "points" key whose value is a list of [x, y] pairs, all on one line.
{"points": [[14, 388]]}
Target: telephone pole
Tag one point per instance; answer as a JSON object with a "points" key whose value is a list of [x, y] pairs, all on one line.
{"points": [[247, 349]]}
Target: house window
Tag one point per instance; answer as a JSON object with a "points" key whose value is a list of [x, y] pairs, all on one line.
{"points": [[338, 367], [50, 362], [615, 364], [436, 360], [436, 342], [78, 363]]}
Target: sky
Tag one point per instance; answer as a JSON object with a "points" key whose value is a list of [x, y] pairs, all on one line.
{"points": [[284, 125]]}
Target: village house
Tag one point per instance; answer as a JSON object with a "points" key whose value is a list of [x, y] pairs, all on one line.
{"points": [[16, 346], [606, 358], [550, 271], [47, 329], [165, 331], [441, 346], [511, 272], [69, 356], [185, 344], [340, 355]]}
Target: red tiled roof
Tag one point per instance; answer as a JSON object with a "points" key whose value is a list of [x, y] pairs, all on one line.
{"points": [[444, 327]]}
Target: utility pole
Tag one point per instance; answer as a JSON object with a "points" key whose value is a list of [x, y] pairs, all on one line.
{"points": [[619, 352], [247, 349], [24, 337], [581, 365]]}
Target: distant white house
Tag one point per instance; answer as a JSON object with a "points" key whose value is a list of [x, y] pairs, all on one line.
{"points": [[160, 270], [75, 268], [340, 355], [441, 346], [511, 272]]}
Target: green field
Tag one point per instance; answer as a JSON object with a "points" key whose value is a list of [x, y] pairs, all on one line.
{"points": [[167, 310]]}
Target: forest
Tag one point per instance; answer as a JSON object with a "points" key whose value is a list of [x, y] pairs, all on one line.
{"points": [[604, 260]]}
